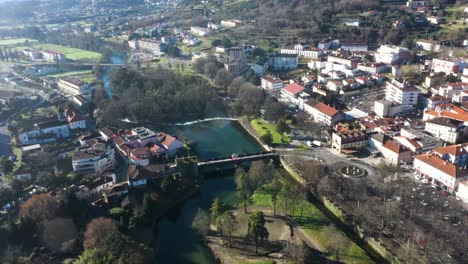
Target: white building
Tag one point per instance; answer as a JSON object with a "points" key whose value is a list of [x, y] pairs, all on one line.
{"points": [[231, 23], [354, 46], [400, 94], [390, 54], [96, 187], [74, 86], [292, 94], [429, 45], [304, 51], [199, 31], [445, 129], [323, 113], [45, 133], [52, 56], [93, 157], [271, 83], [448, 66]]}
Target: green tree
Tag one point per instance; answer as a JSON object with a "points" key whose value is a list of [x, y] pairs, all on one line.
{"points": [[267, 138], [282, 126], [227, 223], [256, 229], [95, 256], [216, 209], [71, 205], [7, 165], [244, 190], [201, 222]]}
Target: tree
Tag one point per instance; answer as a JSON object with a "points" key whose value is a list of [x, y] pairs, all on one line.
{"points": [[282, 126], [211, 69], [168, 183], [256, 228], [39, 207], [244, 190], [260, 173], [216, 209], [97, 231], [201, 222], [273, 202], [95, 256], [267, 138], [336, 240], [223, 78], [227, 223], [7, 165], [72, 206], [60, 235]]}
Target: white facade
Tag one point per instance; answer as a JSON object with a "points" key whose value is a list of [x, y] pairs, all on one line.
{"points": [[439, 170], [199, 31], [302, 51], [45, 134], [447, 66], [74, 87], [397, 93], [92, 161], [447, 133], [271, 83]]}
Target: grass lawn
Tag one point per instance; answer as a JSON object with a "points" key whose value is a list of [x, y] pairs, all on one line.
{"points": [[19, 155], [315, 224], [85, 76], [70, 53], [15, 41], [262, 127]]}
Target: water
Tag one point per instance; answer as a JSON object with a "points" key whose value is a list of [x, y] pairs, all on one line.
{"points": [[116, 58], [178, 242]]}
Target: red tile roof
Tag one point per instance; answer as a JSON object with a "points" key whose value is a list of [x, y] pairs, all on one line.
{"points": [[442, 165], [323, 108], [455, 150], [294, 88], [395, 147]]}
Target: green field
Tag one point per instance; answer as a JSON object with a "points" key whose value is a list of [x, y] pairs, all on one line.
{"points": [[85, 75], [70, 53], [315, 224], [262, 127], [16, 41]]}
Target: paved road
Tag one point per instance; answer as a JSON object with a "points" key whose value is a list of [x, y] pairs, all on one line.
{"points": [[5, 148]]}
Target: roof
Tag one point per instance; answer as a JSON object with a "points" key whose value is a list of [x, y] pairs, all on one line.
{"points": [[271, 79], [54, 123], [323, 108], [293, 88], [395, 147], [442, 121], [106, 131], [442, 165], [454, 150]]}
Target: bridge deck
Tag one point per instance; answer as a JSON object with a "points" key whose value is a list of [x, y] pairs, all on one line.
{"points": [[238, 159]]}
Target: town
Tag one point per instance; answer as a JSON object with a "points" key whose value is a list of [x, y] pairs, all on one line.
{"points": [[233, 131]]}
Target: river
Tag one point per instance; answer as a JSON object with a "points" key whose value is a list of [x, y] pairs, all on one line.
{"points": [[116, 58], [177, 242]]}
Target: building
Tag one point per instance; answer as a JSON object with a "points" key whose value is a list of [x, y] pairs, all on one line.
{"points": [[199, 31], [354, 46], [349, 142], [448, 66], [415, 4], [434, 20], [232, 23], [445, 167], [214, 26], [75, 120], [284, 62], [427, 142], [22, 175], [234, 62], [323, 113], [45, 132], [74, 86], [373, 68], [149, 45], [52, 56], [140, 176], [292, 94], [390, 54], [448, 130], [304, 51], [429, 45], [401, 94], [96, 156], [271, 83], [95, 187], [141, 144], [349, 61], [395, 153]]}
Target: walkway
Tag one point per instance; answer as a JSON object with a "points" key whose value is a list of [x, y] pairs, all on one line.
{"points": [[238, 159]]}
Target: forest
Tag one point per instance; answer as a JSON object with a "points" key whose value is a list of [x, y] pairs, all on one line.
{"points": [[155, 96]]}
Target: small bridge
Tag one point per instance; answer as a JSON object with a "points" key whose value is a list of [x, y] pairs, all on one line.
{"points": [[219, 162]]}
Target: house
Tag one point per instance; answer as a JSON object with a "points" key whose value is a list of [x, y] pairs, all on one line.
{"points": [[199, 31], [75, 121], [52, 56], [430, 102], [271, 83], [434, 20], [395, 153], [304, 51], [80, 101], [94, 157], [95, 187], [401, 94], [140, 176], [141, 144], [447, 65], [448, 130], [450, 90], [372, 68], [354, 46], [335, 85], [22, 175], [232, 23], [390, 54], [427, 142], [349, 142], [292, 94], [323, 113], [349, 61], [107, 134], [415, 4], [115, 191], [149, 45], [462, 192], [411, 144], [317, 63], [445, 167], [74, 86], [429, 45], [45, 132], [214, 26], [284, 62], [259, 67]]}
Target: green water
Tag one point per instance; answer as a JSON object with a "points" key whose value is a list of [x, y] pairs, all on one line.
{"points": [[177, 241]]}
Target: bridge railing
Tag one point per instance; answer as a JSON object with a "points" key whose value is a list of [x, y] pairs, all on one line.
{"points": [[238, 156]]}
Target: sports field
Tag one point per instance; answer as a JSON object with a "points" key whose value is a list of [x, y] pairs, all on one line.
{"points": [[70, 53]]}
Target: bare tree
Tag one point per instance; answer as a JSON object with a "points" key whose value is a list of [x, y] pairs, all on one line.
{"points": [[97, 231]]}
